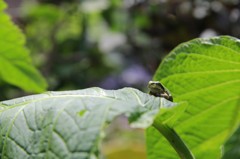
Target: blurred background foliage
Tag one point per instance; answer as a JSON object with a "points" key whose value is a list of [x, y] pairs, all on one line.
{"points": [[113, 43]]}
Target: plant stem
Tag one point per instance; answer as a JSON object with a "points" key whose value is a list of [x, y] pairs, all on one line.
{"points": [[175, 140]]}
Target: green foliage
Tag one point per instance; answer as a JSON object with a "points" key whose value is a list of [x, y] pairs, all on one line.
{"points": [[55, 24], [205, 73], [232, 147], [69, 124], [15, 64], [79, 44], [203, 77], [63, 41]]}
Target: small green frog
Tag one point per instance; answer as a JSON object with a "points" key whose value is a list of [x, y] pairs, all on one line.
{"points": [[158, 90]]}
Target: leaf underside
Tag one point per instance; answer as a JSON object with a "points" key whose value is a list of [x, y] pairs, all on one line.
{"points": [[69, 124]]}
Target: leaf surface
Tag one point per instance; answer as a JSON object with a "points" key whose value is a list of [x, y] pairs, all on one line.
{"points": [[15, 63], [206, 74], [69, 124]]}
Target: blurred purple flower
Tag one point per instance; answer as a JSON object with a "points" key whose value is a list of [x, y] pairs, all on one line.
{"points": [[133, 76]]}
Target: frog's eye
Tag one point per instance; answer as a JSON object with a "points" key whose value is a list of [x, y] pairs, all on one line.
{"points": [[151, 82]]}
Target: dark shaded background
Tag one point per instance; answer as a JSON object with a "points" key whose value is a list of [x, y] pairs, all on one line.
{"points": [[113, 43]]}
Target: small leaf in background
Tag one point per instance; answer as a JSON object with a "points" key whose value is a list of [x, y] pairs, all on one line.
{"points": [[70, 124], [232, 147], [205, 73], [15, 63]]}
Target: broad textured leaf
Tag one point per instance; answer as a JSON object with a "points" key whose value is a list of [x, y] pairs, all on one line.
{"points": [[15, 64], [69, 124], [206, 74]]}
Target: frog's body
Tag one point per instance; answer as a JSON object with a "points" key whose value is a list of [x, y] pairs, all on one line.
{"points": [[158, 90]]}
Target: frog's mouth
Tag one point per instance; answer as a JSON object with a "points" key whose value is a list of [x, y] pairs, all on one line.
{"points": [[161, 94]]}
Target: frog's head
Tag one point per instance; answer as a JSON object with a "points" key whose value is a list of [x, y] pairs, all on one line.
{"points": [[156, 86]]}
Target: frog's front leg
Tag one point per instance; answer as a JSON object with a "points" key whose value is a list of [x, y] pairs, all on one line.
{"points": [[167, 96]]}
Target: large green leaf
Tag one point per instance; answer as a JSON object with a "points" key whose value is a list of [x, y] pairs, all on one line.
{"points": [[206, 74], [15, 64], [69, 124]]}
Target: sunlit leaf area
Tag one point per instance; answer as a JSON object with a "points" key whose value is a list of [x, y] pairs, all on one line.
{"points": [[74, 79]]}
